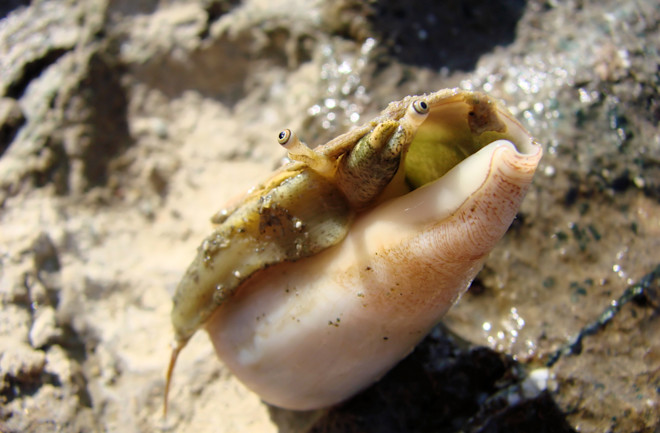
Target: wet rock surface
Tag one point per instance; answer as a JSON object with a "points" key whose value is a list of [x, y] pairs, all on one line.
{"points": [[125, 125]]}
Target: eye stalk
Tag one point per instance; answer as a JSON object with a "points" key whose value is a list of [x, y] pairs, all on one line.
{"points": [[284, 137], [416, 113], [299, 151], [289, 140], [420, 106]]}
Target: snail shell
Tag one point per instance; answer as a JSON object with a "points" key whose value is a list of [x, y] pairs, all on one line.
{"points": [[313, 332]]}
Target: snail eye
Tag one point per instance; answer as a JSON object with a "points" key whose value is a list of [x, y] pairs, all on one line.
{"points": [[420, 106], [284, 136]]}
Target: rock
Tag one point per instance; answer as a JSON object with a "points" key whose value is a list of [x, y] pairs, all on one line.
{"points": [[19, 365], [124, 125], [44, 328], [15, 322], [11, 119], [45, 254]]}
